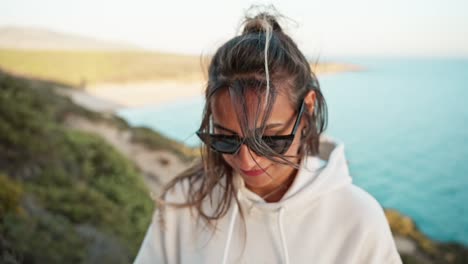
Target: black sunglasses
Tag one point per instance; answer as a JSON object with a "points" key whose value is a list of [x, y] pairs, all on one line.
{"points": [[230, 144]]}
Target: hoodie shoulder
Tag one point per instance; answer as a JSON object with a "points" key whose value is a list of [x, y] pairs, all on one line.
{"points": [[178, 193], [364, 213], [358, 206], [361, 201]]}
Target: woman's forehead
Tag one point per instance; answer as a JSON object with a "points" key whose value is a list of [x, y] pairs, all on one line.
{"points": [[226, 102], [250, 105]]}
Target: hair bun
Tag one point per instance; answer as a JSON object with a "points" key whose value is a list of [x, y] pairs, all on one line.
{"points": [[260, 23]]}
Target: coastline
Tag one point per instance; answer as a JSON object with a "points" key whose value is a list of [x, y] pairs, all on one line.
{"points": [[111, 97], [139, 94], [157, 164]]}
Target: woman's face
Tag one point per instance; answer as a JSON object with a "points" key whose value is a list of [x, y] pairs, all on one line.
{"points": [[260, 174]]}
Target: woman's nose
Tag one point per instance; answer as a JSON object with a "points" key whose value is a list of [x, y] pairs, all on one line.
{"points": [[246, 158]]}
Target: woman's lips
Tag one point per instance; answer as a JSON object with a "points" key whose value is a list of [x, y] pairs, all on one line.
{"points": [[253, 173]]}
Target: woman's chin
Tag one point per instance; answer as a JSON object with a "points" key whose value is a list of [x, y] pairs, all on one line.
{"points": [[257, 181]]}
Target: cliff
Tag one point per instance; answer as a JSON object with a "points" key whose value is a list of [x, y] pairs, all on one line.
{"points": [[75, 185]]}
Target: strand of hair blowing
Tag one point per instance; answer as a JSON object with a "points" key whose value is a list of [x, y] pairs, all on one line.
{"points": [[263, 23]]}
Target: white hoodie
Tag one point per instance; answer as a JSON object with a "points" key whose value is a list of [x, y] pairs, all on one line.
{"points": [[322, 218]]}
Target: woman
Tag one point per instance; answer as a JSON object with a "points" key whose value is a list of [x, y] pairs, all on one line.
{"points": [[269, 188]]}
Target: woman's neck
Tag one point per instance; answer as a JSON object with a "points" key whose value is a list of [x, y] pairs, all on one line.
{"points": [[277, 192]]}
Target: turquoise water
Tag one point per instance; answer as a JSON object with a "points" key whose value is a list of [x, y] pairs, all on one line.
{"points": [[404, 123]]}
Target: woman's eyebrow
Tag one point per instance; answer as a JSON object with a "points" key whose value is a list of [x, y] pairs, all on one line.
{"points": [[270, 126], [216, 125]]}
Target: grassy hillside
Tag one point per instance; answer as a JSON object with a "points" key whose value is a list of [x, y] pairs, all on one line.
{"points": [[84, 68], [80, 68], [66, 196], [37, 38]]}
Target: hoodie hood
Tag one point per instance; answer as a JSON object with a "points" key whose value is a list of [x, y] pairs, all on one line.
{"points": [[317, 176]]}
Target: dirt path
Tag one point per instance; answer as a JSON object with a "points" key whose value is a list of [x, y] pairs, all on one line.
{"points": [[158, 167]]}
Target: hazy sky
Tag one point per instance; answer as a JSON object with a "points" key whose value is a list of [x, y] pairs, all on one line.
{"points": [[325, 28]]}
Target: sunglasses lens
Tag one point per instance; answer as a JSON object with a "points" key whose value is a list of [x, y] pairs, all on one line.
{"points": [[221, 143], [226, 144], [278, 145]]}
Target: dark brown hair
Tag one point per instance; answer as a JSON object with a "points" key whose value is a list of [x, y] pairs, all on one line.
{"points": [[263, 59]]}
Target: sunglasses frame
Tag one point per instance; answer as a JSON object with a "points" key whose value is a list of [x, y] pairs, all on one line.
{"points": [[203, 136]]}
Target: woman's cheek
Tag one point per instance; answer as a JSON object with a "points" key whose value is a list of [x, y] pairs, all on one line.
{"points": [[294, 149]]}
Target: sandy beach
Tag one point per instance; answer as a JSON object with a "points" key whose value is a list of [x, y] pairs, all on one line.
{"points": [[109, 97], [140, 94]]}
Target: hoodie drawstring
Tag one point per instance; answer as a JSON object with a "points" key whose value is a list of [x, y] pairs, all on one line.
{"points": [[231, 231], [229, 237], [283, 237]]}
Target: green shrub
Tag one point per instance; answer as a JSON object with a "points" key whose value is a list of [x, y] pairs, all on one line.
{"points": [[10, 196], [69, 197]]}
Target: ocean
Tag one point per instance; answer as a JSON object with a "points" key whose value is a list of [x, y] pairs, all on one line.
{"points": [[404, 124]]}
